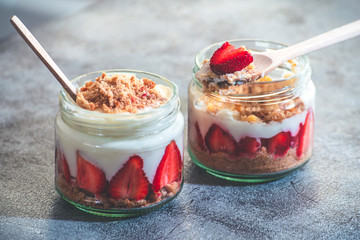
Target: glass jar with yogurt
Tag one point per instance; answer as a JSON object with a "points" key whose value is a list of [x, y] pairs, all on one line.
{"points": [[254, 132], [120, 164]]}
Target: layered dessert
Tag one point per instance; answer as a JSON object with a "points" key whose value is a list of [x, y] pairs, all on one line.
{"points": [[101, 164], [249, 129]]}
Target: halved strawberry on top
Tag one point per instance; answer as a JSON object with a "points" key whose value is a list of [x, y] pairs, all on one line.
{"points": [[169, 169], [89, 177], [305, 135], [219, 140], [228, 59], [130, 181], [62, 165], [279, 144]]}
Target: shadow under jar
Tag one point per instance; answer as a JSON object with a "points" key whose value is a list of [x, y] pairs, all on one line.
{"points": [[255, 132], [119, 164]]}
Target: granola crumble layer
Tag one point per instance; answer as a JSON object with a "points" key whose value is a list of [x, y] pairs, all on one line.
{"points": [[119, 93], [103, 201], [259, 163], [255, 112]]}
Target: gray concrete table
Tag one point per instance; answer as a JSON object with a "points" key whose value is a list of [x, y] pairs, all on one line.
{"points": [[319, 201]]}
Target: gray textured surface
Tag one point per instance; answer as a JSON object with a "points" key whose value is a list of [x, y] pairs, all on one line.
{"points": [[319, 201]]}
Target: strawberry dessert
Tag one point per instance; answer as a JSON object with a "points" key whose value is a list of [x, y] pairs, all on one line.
{"points": [[249, 131], [119, 148]]}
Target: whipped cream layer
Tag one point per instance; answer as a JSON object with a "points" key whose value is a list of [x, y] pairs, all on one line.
{"points": [[110, 153]]}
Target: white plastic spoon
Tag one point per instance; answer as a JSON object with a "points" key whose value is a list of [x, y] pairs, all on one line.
{"points": [[266, 62]]}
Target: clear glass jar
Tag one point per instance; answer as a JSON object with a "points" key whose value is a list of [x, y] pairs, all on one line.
{"points": [[119, 165], [254, 132]]}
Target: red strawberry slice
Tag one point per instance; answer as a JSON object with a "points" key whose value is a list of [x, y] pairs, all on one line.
{"points": [[169, 169], [228, 59], [89, 177], [249, 145], [62, 164], [278, 144], [130, 181], [305, 135], [199, 137], [218, 140]]}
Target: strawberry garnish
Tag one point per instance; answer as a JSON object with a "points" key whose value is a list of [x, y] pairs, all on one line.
{"points": [[219, 140], [62, 165], [278, 144], [228, 59], [305, 135], [169, 169], [199, 137], [249, 145], [89, 177], [130, 181]]}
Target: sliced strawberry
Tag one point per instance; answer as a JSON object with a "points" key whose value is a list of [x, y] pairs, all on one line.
{"points": [[62, 165], [305, 135], [228, 59], [89, 177], [249, 145], [169, 169], [130, 181], [199, 137], [278, 144], [218, 140]]}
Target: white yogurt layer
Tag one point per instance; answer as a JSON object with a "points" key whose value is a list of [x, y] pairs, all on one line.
{"points": [[110, 153]]}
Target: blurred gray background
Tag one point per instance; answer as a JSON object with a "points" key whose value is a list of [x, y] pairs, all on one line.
{"points": [[30, 12]]}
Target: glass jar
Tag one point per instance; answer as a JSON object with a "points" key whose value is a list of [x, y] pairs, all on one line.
{"points": [[254, 132], [122, 164]]}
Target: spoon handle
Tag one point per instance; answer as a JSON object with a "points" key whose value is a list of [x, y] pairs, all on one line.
{"points": [[323, 40], [44, 56]]}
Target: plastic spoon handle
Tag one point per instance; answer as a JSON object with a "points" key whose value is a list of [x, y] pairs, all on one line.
{"points": [[321, 41]]}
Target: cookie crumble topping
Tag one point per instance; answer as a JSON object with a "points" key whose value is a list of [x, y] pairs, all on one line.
{"points": [[119, 93]]}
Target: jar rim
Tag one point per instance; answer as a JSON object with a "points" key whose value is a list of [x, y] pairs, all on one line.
{"points": [[303, 58], [123, 115]]}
